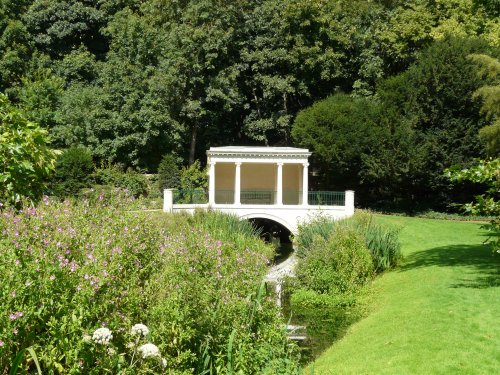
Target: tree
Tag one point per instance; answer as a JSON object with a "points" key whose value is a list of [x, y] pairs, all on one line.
{"points": [[484, 172], [432, 123], [489, 67], [339, 130], [57, 26], [39, 97], [26, 160], [194, 177], [169, 176], [73, 172]]}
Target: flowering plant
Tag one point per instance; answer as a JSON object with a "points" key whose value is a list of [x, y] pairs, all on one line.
{"points": [[74, 273]]}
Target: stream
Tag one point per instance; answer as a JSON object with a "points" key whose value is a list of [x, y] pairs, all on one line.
{"points": [[314, 329]]}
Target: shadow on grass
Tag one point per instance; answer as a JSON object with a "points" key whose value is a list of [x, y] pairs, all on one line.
{"points": [[483, 267]]}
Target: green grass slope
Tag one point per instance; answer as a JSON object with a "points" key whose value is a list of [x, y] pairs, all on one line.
{"points": [[436, 314]]}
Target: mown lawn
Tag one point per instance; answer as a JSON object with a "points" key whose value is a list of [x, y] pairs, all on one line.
{"points": [[436, 314]]}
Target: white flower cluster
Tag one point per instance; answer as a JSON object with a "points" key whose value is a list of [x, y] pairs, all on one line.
{"points": [[102, 336], [149, 350], [139, 330]]}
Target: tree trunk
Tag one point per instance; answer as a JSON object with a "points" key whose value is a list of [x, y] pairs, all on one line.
{"points": [[192, 149]]}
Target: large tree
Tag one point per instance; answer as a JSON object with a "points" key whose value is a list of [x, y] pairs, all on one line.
{"points": [[426, 121]]}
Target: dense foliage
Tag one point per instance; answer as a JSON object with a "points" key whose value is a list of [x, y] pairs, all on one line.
{"points": [[77, 277], [133, 80], [112, 176], [489, 95], [69, 269], [169, 176], [26, 160], [73, 172], [338, 264], [393, 147], [486, 172], [382, 242]]}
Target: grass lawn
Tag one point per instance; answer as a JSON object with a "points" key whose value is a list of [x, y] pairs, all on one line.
{"points": [[436, 314]]}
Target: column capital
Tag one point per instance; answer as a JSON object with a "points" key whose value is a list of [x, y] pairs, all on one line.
{"points": [[211, 163], [280, 164], [305, 165], [237, 163]]}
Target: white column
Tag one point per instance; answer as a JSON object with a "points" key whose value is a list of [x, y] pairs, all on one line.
{"points": [[279, 185], [349, 202], [211, 183], [237, 184], [305, 183], [168, 200]]}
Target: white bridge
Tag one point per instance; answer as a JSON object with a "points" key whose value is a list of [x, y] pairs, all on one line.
{"points": [[261, 183]]}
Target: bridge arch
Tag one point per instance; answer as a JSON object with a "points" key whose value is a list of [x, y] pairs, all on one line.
{"points": [[291, 228]]}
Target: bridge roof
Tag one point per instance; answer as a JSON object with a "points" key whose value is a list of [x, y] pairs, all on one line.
{"points": [[258, 151]]}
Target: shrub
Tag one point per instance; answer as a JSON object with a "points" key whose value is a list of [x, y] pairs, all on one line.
{"points": [[382, 241], [132, 181], [26, 161], [194, 177], [73, 172], [339, 264], [71, 268], [169, 176]]}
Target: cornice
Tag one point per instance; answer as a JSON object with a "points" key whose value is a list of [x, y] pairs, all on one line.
{"points": [[257, 155]]}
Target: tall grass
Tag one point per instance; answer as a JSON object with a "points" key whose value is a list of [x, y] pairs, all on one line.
{"points": [[224, 226], [320, 226], [382, 241]]}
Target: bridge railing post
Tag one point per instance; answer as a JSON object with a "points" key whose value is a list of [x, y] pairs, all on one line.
{"points": [[349, 202], [168, 200]]}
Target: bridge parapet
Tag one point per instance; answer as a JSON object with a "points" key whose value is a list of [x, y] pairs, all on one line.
{"points": [[289, 216]]}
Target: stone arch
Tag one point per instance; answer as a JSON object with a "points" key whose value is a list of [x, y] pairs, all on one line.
{"points": [[281, 221]]}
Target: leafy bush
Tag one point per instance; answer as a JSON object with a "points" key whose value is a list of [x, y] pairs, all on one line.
{"points": [[338, 264], [70, 269], [169, 176], [382, 241], [194, 177], [26, 161], [135, 183], [73, 171]]}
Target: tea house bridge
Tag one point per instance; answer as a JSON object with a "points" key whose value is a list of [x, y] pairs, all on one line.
{"points": [[261, 183]]}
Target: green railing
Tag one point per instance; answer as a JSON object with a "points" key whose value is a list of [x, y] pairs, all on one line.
{"points": [[195, 196], [326, 198], [257, 197], [315, 198]]}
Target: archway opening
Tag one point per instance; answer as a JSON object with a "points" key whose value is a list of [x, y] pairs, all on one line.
{"points": [[273, 232]]}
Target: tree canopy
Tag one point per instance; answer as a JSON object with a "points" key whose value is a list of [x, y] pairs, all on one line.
{"points": [[133, 80]]}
